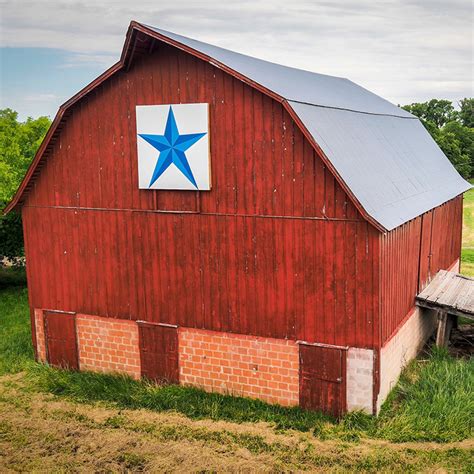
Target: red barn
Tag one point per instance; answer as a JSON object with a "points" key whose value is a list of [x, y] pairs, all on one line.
{"points": [[291, 278]]}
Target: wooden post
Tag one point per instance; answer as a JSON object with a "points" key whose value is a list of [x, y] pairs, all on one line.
{"points": [[442, 324]]}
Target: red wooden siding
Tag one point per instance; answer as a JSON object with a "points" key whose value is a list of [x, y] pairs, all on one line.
{"points": [[61, 340], [279, 277], [275, 249], [412, 254], [261, 163], [158, 352], [322, 379]]}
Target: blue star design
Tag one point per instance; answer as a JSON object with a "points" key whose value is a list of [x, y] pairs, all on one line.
{"points": [[172, 147]]}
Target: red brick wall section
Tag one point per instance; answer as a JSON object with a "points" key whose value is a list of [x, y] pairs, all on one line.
{"points": [[236, 364], [108, 345], [40, 337]]}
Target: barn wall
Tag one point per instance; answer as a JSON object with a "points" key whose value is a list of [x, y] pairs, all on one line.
{"points": [[276, 249], [275, 277], [411, 255], [402, 348]]}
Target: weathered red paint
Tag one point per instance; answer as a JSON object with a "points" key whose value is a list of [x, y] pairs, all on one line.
{"points": [[263, 241], [411, 255], [61, 341], [323, 378], [158, 352]]}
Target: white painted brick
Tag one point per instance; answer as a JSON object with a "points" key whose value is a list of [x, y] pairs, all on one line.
{"points": [[360, 367]]}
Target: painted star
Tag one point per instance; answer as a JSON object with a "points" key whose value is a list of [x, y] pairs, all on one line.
{"points": [[172, 147]]}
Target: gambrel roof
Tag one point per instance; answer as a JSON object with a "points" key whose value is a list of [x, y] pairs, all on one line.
{"points": [[381, 155]]}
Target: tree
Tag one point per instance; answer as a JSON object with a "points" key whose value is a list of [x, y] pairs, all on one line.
{"points": [[466, 112], [18, 144], [452, 130], [436, 111], [451, 146]]}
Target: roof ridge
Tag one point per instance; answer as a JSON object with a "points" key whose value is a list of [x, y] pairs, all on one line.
{"points": [[307, 87], [246, 55]]}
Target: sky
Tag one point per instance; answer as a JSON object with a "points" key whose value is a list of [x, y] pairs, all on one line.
{"points": [[404, 50]]}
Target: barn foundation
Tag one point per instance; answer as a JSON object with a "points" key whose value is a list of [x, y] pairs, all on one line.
{"points": [[404, 345], [257, 367], [268, 369]]}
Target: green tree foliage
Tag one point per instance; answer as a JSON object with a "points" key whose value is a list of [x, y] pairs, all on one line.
{"points": [[466, 113], [436, 111], [18, 144], [451, 129]]}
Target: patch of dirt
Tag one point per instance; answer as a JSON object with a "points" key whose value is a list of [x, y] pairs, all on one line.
{"points": [[41, 433], [461, 342]]}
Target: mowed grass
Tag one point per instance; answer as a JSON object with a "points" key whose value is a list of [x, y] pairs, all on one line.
{"points": [[467, 256], [16, 351], [433, 401]]}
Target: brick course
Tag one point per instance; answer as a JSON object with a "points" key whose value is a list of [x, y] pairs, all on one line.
{"points": [[236, 364], [108, 345]]}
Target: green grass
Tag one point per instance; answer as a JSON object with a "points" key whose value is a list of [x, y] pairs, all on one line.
{"points": [[16, 351], [433, 401], [124, 392], [467, 256]]}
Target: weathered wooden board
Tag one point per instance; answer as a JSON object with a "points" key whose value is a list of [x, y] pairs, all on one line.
{"points": [[61, 340], [450, 292], [158, 352], [322, 378], [411, 255]]}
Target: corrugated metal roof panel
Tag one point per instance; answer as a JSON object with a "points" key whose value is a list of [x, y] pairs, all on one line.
{"points": [[391, 164], [295, 84]]}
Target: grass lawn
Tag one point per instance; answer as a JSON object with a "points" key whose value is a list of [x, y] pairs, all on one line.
{"points": [[467, 265], [53, 420]]}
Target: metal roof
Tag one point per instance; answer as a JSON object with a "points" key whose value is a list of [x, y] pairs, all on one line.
{"points": [[382, 153], [391, 164], [295, 84]]}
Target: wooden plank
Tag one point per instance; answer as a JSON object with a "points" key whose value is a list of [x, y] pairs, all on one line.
{"points": [[450, 291], [61, 340], [322, 379], [159, 352], [441, 333]]}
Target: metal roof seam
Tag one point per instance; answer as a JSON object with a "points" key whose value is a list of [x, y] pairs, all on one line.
{"points": [[351, 110]]}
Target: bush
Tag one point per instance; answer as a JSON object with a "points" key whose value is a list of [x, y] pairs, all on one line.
{"points": [[11, 237]]}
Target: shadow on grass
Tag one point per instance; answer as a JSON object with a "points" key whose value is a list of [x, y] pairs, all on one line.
{"points": [[12, 277]]}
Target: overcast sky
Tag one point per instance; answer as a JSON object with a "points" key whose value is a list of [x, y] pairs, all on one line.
{"points": [[404, 50]]}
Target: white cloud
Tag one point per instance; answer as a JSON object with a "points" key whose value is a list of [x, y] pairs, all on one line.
{"points": [[41, 98], [404, 50]]}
